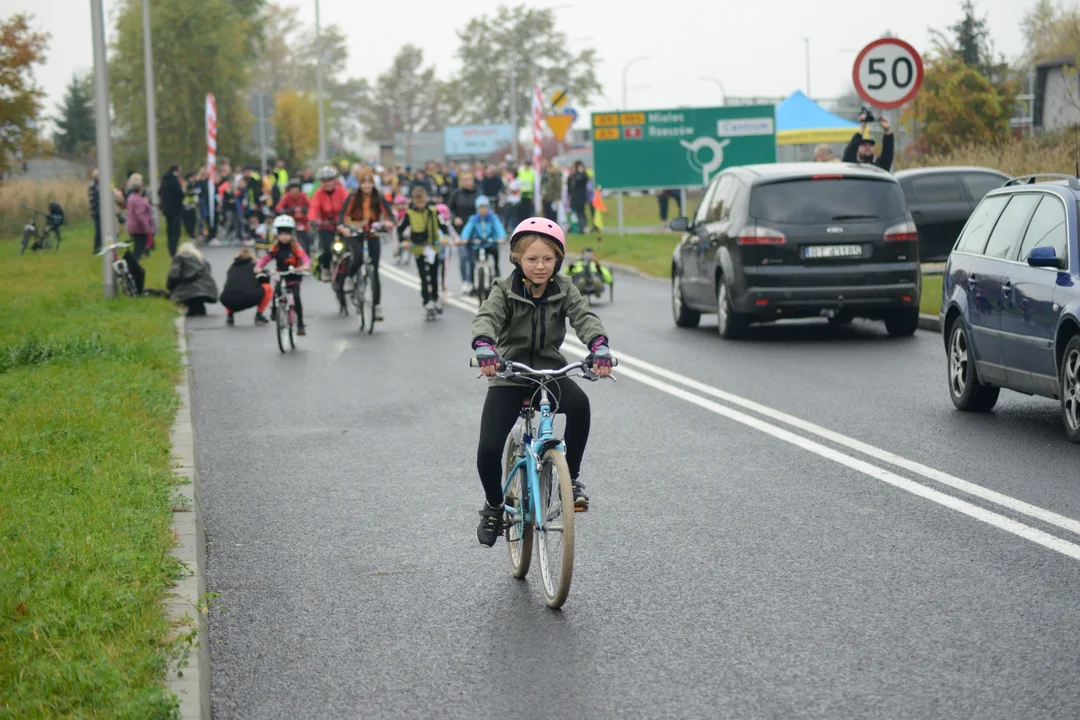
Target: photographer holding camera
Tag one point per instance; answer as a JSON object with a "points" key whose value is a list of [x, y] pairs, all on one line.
{"points": [[861, 147]]}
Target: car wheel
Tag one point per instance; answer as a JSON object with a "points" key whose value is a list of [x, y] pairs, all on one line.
{"points": [[684, 316], [729, 324], [1070, 389], [965, 389], [902, 323]]}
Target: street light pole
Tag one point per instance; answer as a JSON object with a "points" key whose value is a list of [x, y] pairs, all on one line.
{"points": [[319, 87], [626, 69], [151, 112], [807, 41], [719, 84], [104, 143]]}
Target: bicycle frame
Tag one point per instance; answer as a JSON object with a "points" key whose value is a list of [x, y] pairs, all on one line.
{"points": [[533, 450]]}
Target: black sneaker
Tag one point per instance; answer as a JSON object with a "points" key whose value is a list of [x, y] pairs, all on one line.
{"points": [[487, 532], [260, 319], [230, 320], [581, 500]]}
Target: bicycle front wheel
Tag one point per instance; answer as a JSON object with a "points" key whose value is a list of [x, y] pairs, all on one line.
{"points": [[27, 234], [519, 534], [284, 332], [555, 546], [56, 232], [367, 298]]}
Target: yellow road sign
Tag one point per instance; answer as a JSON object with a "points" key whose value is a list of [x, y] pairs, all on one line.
{"points": [[559, 125], [606, 134], [632, 118], [605, 120], [558, 99]]}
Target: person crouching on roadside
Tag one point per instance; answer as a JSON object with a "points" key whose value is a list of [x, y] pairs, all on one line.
{"points": [[244, 289], [190, 281]]}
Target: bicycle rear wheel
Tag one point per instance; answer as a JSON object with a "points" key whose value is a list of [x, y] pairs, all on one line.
{"points": [[481, 284], [555, 543], [128, 280], [519, 534]]}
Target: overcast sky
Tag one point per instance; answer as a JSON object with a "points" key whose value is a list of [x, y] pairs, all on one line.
{"points": [[752, 48]]}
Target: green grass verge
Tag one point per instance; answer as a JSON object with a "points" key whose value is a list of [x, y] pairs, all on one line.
{"points": [[87, 399], [649, 253], [930, 300]]}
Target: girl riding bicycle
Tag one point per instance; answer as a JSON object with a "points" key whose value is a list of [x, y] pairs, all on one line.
{"points": [[524, 319], [424, 227], [366, 211], [287, 253]]}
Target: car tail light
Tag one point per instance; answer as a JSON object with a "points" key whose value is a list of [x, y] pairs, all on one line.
{"points": [[902, 231], [827, 177], [756, 235]]}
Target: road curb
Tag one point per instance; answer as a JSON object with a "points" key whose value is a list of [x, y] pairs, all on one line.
{"points": [[929, 322], [188, 679]]}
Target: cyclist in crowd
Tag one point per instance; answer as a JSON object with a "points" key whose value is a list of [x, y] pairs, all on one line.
{"points": [[533, 295], [483, 230], [462, 205], [367, 212], [297, 204], [287, 254], [326, 205], [424, 227], [245, 289]]}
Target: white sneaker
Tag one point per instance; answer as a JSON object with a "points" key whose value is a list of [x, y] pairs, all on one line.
{"points": [[378, 313], [466, 288], [429, 305], [438, 306]]}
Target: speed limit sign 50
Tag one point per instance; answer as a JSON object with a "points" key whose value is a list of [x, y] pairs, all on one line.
{"points": [[887, 73]]}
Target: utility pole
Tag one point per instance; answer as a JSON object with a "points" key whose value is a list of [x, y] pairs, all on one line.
{"points": [[513, 111], [104, 143], [151, 112], [319, 86]]}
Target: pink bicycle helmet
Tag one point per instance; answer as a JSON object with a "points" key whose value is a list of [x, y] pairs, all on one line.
{"points": [[539, 226], [443, 210], [400, 200]]}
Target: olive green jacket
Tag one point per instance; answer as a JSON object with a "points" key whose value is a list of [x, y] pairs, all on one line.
{"points": [[532, 331]]}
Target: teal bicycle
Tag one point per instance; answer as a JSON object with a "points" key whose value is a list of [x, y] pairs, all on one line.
{"points": [[538, 498]]}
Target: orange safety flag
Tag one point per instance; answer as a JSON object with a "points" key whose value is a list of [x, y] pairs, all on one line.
{"points": [[598, 202]]}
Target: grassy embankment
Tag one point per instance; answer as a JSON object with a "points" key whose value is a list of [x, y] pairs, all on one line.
{"points": [[86, 402]]}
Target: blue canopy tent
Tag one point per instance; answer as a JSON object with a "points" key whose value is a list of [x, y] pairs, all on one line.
{"points": [[801, 121]]}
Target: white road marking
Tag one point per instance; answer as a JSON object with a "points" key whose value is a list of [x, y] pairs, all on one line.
{"points": [[999, 521]]}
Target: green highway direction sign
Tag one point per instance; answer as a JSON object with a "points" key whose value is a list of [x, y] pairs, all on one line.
{"points": [[679, 148]]}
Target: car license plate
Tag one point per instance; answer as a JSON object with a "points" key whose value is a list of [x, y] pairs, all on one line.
{"points": [[832, 251]]}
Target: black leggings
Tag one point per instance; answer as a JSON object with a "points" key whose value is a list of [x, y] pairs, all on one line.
{"points": [[429, 275], [374, 248], [326, 248], [501, 409]]}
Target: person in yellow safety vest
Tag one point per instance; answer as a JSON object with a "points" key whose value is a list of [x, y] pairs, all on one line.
{"points": [[526, 175], [281, 174]]}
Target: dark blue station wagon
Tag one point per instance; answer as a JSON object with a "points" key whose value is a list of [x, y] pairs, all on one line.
{"points": [[1010, 310]]}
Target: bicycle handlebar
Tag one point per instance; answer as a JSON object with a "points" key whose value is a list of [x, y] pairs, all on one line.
{"points": [[510, 367], [113, 246]]}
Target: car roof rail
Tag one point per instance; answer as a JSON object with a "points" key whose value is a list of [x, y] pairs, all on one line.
{"points": [[1074, 183]]}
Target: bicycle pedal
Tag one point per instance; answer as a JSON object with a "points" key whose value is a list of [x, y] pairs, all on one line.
{"points": [[579, 509]]}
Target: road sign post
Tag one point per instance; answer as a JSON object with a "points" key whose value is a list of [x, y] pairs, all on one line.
{"points": [[887, 73], [262, 107], [680, 148]]}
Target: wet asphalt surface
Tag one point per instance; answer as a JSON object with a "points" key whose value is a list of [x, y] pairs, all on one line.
{"points": [[722, 571]]}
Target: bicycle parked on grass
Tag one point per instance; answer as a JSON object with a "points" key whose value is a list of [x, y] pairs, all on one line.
{"points": [[40, 235], [537, 491], [124, 279], [284, 308]]}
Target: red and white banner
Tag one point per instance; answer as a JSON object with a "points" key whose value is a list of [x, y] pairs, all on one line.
{"points": [[537, 133], [211, 150]]}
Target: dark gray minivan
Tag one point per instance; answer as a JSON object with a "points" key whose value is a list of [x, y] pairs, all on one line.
{"points": [[798, 240]]}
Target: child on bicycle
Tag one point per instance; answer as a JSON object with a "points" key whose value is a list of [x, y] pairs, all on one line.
{"points": [[524, 319], [424, 227], [484, 230], [287, 253], [367, 214]]}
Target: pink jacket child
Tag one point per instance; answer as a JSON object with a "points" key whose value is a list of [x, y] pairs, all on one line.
{"points": [[140, 215]]}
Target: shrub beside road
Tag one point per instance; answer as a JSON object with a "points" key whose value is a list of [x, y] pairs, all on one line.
{"points": [[87, 398]]}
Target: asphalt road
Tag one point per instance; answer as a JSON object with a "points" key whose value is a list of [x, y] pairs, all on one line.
{"points": [[744, 557]]}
